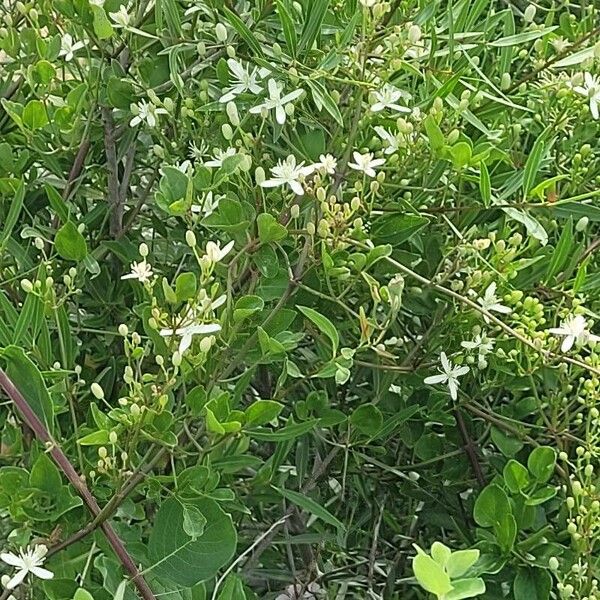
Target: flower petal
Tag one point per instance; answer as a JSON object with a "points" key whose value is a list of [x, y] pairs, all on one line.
{"points": [[42, 573], [17, 579], [11, 559], [433, 379]]}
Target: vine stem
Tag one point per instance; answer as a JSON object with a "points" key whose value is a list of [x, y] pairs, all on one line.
{"points": [[44, 436]]}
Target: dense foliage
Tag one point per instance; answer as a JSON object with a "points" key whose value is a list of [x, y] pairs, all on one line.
{"points": [[297, 299]]}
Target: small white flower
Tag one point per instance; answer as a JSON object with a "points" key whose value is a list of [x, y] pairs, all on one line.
{"points": [[480, 343], [246, 80], [490, 302], [327, 163], [287, 172], [29, 560], [276, 102], [146, 112], [198, 152], [368, 3], [298, 591], [388, 98], [142, 271], [207, 206], [591, 90], [215, 253], [188, 332], [449, 375], [68, 48], [366, 163], [122, 18], [575, 329], [219, 156], [389, 139]]}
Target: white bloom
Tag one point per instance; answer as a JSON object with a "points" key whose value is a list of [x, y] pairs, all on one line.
{"points": [[449, 375], [142, 271], [246, 80], [575, 329], [208, 205], [219, 156], [276, 102], [388, 98], [189, 331], [287, 172], [366, 163], [591, 90], [215, 253], [490, 302], [27, 561], [68, 48], [198, 152], [480, 343], [368, 3], [146, 111], [122, 18], [327, 163], [389, 139], [298, 591]]}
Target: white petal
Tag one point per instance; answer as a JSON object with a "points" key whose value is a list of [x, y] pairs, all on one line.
{"points": [[501, 309], [186, 342], [433, 379], [567, 343], [370, 172], [558, 331], [280, 114], [17, 579], [257, 109], [227, 249], [594, 108], [42, 573], [377, 107], [453, 387], [297, 188], [166, 332], [269, 183], [291, 96], [12, 559], [461, 371], [446, 364]]}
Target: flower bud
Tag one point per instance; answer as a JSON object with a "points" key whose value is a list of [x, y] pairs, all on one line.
{"points": [[529, 13], [190, 238], [221, 32], [112, 437], [232, 113], [123, 329], [27, 286], [97, 391], [582, 224], [259, 175], [295, 211], [143, 250]]}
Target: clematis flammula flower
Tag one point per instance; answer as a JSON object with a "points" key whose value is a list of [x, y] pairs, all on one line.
{"points": [[575, 330], [188, 332], [366, 163], [301, 592], [68, 47], [287, 172], [121, 18], [208, 205], [146, 112], [142, 271], [246, 80], [388, 98], [591, 90], [389, 139], [276, 102], [449, 374], [327, 163], [214, 252], [491, 303], [29, 560], [219, 156]]}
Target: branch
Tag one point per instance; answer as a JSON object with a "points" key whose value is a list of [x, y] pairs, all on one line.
{"points": [[114, 193], [42, 434]]}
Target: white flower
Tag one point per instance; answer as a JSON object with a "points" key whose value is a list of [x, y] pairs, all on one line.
{"points": [[246, 80], [198, 152], [389, 139], [482, 344], [219, 156], [287, 172], [368, 3], [591, 90], [575, 329], [146, 111], [276, 102], [366, 163], [327, 163], [388, 98], [189, 331], [27, 561], [449, 375], [68, 48], [298, 591], [215, 253], [142, 271], [207, 207], [122, 18], [490, 302]]}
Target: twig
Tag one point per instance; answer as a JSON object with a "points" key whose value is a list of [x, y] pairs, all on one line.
{"points": [[44, 436], [114, 196], [469, 448]]}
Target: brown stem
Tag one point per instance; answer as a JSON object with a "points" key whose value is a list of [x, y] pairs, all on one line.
{"points": [[114, 195], [469, 448], [43, 435]]}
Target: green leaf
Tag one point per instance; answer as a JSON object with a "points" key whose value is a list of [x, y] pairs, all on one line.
{"points": [[460, 562], [262, 412], [324, 100], [532, 584], [289, 29], [562, 252], [522, 38], [516, 476], [69, 243], [461, 155], [490, 504], [44, 475], [212, 423], [289, 432], [82, 594], [269, 230], [485, 187], [185, 286], [194, 522], [102, 26], [243, 30], [96, 438], [541, 463], [316, 10], [430, 575], [367, 418], [233, 589], [440, 553], [395, 229], [324, 325], [28, 380], [533, 226], [246, 306], [312, 507], [13, 212], [505, 530], [466, 588], [120, 93], [534, 160], [57, 203], [185, 561], [434, 134], [34, 115]]}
